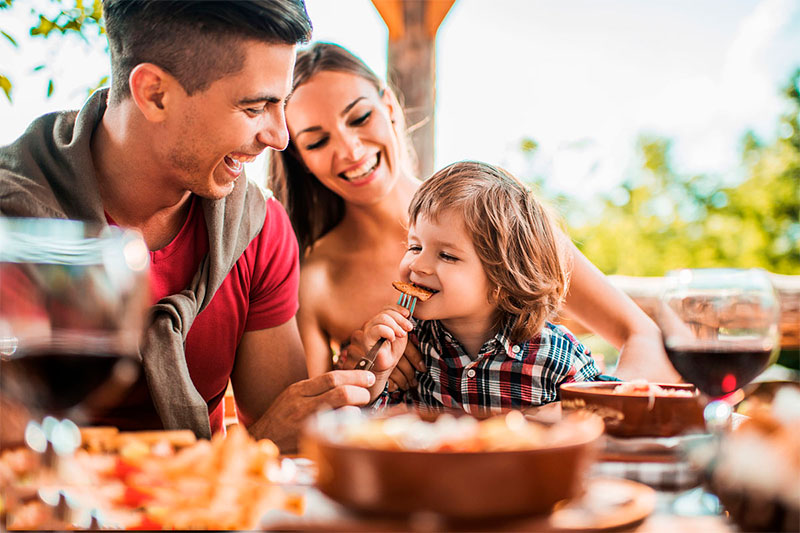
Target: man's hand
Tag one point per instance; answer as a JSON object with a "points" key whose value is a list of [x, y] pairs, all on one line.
{"points": [[283, 420]]}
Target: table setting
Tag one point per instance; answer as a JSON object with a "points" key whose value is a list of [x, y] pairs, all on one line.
{"points": [[607, 456]]}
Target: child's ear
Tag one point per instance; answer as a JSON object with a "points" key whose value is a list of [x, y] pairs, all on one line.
{"points": [[152, 89]]}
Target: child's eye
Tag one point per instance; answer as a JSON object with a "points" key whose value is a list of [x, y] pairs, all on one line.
{"points": [[448, 257], [414, 248], [318, 144], [361, 120]]}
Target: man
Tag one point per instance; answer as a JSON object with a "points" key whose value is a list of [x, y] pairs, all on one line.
{"points": [[198, 89]]}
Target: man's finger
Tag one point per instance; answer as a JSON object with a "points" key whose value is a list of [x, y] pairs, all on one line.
{"points": [[336, 378], [345, 395]]}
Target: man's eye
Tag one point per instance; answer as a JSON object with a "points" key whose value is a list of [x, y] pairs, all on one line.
{"points": [[360, 120], [255, 110], [318, 144]]}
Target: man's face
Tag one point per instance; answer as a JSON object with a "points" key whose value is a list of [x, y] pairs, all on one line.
{"points": [[209, 135]]}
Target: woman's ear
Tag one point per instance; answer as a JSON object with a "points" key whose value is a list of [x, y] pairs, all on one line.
{"points": [[392, 105], [152, 89]]}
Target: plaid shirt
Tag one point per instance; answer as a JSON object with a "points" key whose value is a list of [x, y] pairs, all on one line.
{"points": [[504, 376]]}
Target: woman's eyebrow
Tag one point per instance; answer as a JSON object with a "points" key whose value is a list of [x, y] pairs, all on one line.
{"points": [[347, 108]]}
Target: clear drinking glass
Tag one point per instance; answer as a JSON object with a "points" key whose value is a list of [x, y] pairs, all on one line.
{"points": [[720, 329], [73, 301]]}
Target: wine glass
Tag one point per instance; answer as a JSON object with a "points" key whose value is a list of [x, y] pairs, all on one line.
{"points": [[720, 331], [73, 300]]}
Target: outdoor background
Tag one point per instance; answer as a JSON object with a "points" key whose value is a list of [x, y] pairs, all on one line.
{"points": [[665, 133]]}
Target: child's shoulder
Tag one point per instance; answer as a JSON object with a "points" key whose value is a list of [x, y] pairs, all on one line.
{"points": [[559, 331]]}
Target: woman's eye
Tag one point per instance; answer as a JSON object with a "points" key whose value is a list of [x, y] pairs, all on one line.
{"points": [[360, 120], [318, 144]]}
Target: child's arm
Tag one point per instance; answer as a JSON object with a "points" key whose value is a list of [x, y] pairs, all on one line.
{"points": [[391, 324]]}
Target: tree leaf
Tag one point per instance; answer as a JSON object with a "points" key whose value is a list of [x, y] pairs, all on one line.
{"points": [[49, 88], [5, 84], [10, 38]]}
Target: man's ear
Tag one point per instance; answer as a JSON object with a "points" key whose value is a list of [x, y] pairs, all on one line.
{"points": [[151, 89]]}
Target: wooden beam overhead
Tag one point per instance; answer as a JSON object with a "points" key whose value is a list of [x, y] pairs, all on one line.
{"points": [[436, 11], [391, 11]]}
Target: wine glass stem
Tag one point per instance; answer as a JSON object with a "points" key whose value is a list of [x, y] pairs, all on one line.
{"points": [[718, 415]]}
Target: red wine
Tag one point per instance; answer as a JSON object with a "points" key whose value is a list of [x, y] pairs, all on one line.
{"points": [[718, 371], [49, 381]]}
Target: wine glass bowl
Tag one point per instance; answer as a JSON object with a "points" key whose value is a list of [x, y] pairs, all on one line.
{"points": [[719, 326], [73, 299]]}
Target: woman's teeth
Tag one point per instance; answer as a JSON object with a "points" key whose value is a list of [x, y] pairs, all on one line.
{"points": [[363, 169]]}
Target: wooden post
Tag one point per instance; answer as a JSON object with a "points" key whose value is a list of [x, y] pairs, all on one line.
{"points": [[412, 28]]}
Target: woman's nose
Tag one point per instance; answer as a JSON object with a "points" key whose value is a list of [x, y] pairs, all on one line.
{"points": [[350, 147]]}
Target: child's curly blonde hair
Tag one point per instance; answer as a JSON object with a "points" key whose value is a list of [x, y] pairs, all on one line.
{"points": [[513, 233]]}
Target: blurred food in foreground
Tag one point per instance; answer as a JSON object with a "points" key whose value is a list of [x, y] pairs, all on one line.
{"points": [[151, 483], [755, 470]]}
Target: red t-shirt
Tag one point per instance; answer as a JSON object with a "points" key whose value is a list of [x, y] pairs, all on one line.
{"points": [[259, 292]]}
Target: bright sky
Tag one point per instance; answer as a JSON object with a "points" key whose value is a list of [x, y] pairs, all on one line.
{"points": [[583, 78]]}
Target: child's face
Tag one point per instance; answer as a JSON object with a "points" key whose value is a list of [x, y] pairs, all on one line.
{"points": [[441, 257]]}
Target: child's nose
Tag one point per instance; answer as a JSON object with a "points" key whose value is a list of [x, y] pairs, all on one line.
{"points": [[420, 264]]}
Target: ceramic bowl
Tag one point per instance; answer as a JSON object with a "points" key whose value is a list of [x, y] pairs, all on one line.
{"points": [[635, 415], [461, 485]]}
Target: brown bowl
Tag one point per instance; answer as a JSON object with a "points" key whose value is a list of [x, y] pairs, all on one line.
{"points": [[460, 485], [632, 415]]}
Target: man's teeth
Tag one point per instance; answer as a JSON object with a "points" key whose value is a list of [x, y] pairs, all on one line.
{"points": [[363, 169], [236, 162]]}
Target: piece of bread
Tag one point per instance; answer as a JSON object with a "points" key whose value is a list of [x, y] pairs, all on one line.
{"points": [[412, 290]]}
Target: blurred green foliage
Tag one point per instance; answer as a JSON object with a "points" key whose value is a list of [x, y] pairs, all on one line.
{"points": [[62, 17], [659, 220]]}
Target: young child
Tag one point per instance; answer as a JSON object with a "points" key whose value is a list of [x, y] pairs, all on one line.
{"points": [[487, 249]]}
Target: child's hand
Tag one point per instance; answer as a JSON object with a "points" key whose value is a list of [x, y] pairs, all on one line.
{"points": [[391, 324]]}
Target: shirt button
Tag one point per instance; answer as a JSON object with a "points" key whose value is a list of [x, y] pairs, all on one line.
{"points": [[471, 372], [515, 348]]}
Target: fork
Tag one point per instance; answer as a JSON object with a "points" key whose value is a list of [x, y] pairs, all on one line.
{"points": [[366, 362]]}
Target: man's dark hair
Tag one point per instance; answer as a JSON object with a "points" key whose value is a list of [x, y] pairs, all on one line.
{"points": [[197, 42]]}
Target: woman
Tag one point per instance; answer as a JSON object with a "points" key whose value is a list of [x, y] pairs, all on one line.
{"points": [[347, 179]]}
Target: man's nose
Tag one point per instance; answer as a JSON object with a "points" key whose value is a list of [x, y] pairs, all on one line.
{"points": [[274, 132]]}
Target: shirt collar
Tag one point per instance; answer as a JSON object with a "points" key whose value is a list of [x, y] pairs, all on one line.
{"points": [[501, 342]]}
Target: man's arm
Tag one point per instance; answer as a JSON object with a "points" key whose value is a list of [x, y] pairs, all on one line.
{"points": [[273, 398]]}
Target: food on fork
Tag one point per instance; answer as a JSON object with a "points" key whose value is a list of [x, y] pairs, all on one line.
{"points": [[421, 293]]}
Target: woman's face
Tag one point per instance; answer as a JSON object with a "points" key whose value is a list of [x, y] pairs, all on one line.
{"points": [[342, 128]]}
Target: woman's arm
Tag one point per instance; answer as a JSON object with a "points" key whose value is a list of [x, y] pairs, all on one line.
{"points": [[316, 342], [597, 305]]}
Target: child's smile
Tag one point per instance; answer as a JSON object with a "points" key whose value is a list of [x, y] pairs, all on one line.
{"points": [[442, 259]]}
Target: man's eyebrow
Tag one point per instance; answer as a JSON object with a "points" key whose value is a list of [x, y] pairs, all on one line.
{"points": [[268, 98]]}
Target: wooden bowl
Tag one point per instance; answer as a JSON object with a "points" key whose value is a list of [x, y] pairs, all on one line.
{"points": [[461, 485], [633, 415]]}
